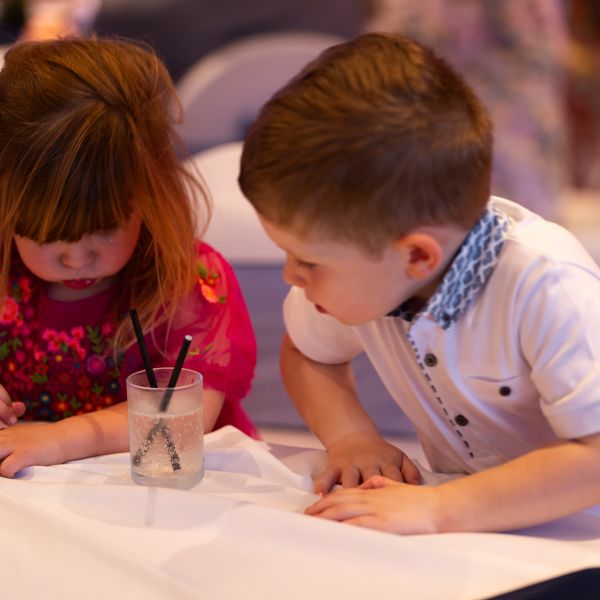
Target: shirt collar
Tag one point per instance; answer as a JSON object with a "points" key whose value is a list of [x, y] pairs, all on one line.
{"points": [[468, 273]]}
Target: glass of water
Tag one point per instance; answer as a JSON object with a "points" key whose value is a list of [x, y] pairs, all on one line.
{"points": [[166, 440]]}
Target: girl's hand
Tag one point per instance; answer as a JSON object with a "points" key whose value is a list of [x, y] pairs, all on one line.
{"points": [[356, 457], [9, 411], [382, 504], [28, 444]]}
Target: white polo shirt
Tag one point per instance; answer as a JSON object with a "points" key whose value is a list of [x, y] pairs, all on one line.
{"points": [[505, 356]]}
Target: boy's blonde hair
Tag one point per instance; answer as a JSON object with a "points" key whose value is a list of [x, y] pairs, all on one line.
{"points": [[87, 140], [372, 139]]}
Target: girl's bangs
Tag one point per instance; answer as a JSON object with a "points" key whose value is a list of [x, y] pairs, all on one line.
{"points": [[70, 218]]}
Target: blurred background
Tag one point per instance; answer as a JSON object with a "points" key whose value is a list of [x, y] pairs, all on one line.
{"points": [[534, 63]]}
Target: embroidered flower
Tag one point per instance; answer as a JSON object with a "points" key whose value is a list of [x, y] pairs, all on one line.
{"points": [[10, 311], [64, 377], [45, 398], [208, 293], [78, 333], [208, 282], [25, 286], [83, 394], [95, 364]]}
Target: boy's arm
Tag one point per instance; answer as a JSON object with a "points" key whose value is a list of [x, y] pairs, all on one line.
{"points": [[26, 444], [325, 396], [540, 486]]}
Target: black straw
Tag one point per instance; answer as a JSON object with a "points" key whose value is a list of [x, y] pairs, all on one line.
{"points": [[139, 334], [164, 403], [160, 426]]}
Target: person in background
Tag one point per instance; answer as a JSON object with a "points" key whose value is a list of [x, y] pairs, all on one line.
{"points": [[46, 19], [97, 218], [371, 169], [516, 54], [181, 31], [583, 95]]}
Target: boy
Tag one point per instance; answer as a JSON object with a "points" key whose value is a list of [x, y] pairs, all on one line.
{"points": [[371, 169]]}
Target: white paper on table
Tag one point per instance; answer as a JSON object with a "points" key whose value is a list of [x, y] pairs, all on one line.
{"points": [[85, 526]]}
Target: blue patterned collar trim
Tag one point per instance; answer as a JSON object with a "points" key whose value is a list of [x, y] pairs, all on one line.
{"points": [[468, 272]]}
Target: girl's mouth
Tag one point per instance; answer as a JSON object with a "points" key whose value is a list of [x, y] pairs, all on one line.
{"points": [[79, 284], [320, 309]]}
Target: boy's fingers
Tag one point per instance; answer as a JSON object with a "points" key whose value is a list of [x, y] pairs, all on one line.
{"points": [[392, 472], [371, 471], [410, 473], [326, 480], [350, 477]]}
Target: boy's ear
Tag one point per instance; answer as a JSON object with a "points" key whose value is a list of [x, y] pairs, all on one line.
{"points": [[424, 254]]}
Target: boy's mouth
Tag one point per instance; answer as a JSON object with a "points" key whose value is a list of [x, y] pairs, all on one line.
{"points": [[78, 284], [320, 309]]}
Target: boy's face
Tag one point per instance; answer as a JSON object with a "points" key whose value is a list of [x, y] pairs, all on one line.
{"points": [[343, 281]]}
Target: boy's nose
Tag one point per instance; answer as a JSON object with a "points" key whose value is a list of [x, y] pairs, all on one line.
{"points": [[291, 275]]}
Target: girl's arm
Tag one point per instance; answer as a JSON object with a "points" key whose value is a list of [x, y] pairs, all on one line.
{"points": [[101, 432], [326, 397], [538, 487], [82, 436], [212, 403]]}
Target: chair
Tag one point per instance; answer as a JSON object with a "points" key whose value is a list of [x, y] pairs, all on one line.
{"points": [[224, 91], [234, 229]]}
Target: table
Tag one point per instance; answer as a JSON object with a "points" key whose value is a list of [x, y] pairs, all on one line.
{"points": [[83, 529]]}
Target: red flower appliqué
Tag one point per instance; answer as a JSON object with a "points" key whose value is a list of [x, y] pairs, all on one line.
{"points": [[10, 311]]}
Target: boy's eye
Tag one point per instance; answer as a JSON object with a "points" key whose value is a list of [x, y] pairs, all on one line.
{"points": [[305, 265]]}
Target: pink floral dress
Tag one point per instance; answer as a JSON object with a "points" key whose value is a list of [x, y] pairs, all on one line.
{"points": [[56, 356]]}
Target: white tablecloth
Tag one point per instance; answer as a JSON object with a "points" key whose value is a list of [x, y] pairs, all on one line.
{"points": [[84, 530]]}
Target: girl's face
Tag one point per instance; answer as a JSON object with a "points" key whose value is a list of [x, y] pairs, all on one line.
{"points": [[76, 270]]}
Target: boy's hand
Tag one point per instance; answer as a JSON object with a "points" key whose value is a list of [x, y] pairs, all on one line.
{"points": [[9, 411], [28, 444], [356, 457], [382, 504]]}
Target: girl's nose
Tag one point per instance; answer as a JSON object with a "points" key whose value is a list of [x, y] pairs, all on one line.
{"points": [[77, 255]]}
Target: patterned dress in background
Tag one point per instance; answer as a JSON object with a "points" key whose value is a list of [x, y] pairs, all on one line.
{"points": [[514, 54]]}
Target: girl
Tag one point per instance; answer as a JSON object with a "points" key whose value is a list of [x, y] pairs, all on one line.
{"points": [[95, 219]]}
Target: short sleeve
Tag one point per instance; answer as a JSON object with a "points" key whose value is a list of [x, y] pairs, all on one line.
{"points": [[223, 347], [560, 338], [318, 336]]}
